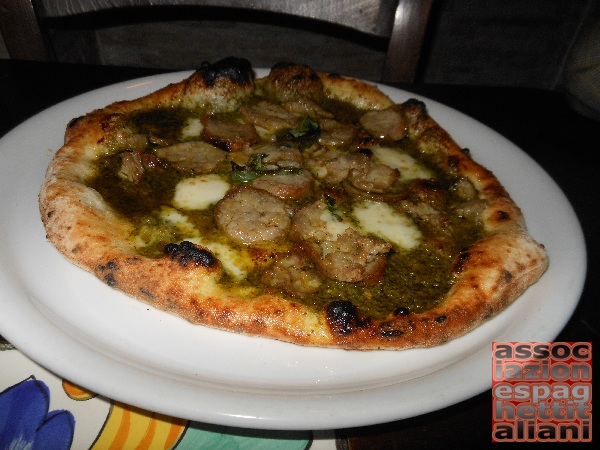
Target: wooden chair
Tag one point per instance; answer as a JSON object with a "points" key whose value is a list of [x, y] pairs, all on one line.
{"points": [[401, 22]]}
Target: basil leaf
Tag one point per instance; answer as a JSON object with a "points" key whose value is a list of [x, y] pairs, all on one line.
{"points": [[244, 176], [302, 136], [256, 161], [307, 126], [330, 202]]}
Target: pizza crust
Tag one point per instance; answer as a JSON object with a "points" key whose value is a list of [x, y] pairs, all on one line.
{"points": [[489, 275]]}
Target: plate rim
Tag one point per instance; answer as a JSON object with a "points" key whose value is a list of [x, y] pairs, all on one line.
{"points": [[278, 420]]}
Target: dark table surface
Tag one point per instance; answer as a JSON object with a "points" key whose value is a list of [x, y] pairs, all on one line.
{"points": [[540, 122]]}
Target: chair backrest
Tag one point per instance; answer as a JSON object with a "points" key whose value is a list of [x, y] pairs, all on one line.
{"points": [[401, 22]]}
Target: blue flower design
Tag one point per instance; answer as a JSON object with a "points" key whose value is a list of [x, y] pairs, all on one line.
{"points": [[25, 422]]}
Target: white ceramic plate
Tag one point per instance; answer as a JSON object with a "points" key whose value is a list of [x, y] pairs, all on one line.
{"points": [[79, 328]]}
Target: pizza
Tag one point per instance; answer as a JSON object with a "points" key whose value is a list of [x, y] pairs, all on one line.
{"points": [[302, 206]]}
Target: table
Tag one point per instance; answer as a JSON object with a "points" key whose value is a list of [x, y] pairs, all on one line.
{"points": [[540, 122]]}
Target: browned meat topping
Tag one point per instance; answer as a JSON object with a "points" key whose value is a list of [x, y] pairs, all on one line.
{"points": [[251, 216], [305, 106], [228, 135], [373, 177], [288, 82], [387, 124], [336, 134], [341, 255], [333, 166], [293, 273], [269, 116], [292, 186], [287, 154], [193, 156], [132, 168]]}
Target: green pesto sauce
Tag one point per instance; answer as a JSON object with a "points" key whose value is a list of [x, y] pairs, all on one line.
{"points": [[163, 123], [133, 200], [344, 111], [416, 280]]}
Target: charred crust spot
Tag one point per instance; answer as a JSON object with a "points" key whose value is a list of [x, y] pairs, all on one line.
{"points": [[49, 214], [464, 256], [387, 330], [111, 265], [391, 333], [146, 293], [74, 121], [186, 253], [311, 76], [507, 275], [502, 215], [109, 279], [466, 151], [238, 70], [413, 102], [282, 65], [402, 311], [461, 260], [334, 75], [342, 316], [440, 319]]}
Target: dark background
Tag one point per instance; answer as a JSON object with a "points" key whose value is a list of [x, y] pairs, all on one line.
{"points": [[492, 43]]}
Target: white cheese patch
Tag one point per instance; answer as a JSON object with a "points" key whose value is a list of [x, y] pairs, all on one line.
{"points": [[139, 242], [388, 224], [320, 172], [192, 128], [333, 225], [409, 168], [236, 263], [264, 134], [178, 220], [149, 235], [200, 192]]}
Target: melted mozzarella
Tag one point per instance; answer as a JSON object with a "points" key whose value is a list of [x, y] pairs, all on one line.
{"points": [[235, 262], [388, 224], [409, 168], [179, 221], [192, 128], [334, 226], [200, 192]]}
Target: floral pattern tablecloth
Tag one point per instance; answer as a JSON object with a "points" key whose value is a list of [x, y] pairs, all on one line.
{"points": [[39, 410]]}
